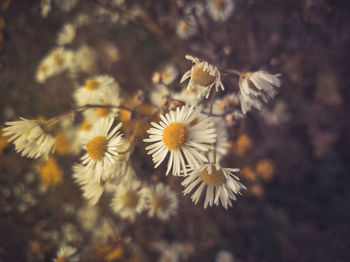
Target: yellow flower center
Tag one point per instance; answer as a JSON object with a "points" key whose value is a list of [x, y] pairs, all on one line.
{"points": [[42, 68], [58, 61], [184, 26], [175, 135], [159, 202], [91, 84], [219, 4], [165, 75], [96, 147], [102, 111], [62, 144], [62, 259], [130, 198], [201, 77], [216, 177], [86, 125]]}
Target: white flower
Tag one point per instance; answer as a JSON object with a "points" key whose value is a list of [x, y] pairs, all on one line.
{"points": [[67, 5], [92, 189], [67, 253], [45, 7], [129, 199], [57, 61], [194, 8], [161, 202], [203, 76], [221, 145], [221, 184], [96, 89], [101, 148], [84, 59], [183, 135], [186, 27], [94, 114], [165, 76], [31, 137], [66, 35], [224, 256], [257, 85], [220, 10]]}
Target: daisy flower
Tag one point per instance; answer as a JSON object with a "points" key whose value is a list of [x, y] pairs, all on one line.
{"points": [[67, 5], [183, 135], [186, 27], [96, 89], [203, 76], [220, 182], [94, 114], [66, 35], [67, 254], [221, 144], [220, 10], [224, 256], [31, 137], [85, 59], [255, 85], [101, 147], [45, 7], [161, 202], [165, 76], [129, 199], [92, 189]]}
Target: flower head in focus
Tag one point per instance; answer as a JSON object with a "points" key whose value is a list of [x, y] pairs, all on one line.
{"points": [[220, 10], [161, 201], [203, 76], [182, 134], [31, 137], [222, 185], [256, 86], [101, 147]]}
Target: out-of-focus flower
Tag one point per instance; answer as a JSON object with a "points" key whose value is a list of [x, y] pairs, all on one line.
{"points": [[220, 10], [101, 148], [57, 61], [224, 256], [257, 190], [66, 5], [249, 174], [66, 35], [96, 89], [31, 137], [254, 86], [182, 134], [186, 27], [92, 189], [45, 7], [67, 254], [243, 144], [222, 185], [228, 105], [161, 202], [129, 199], [203, 76], [266, 169], [50, 173], [165, 76]]}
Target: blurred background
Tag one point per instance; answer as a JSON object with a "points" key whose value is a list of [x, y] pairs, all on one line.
{"points": [[293, 154]]}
